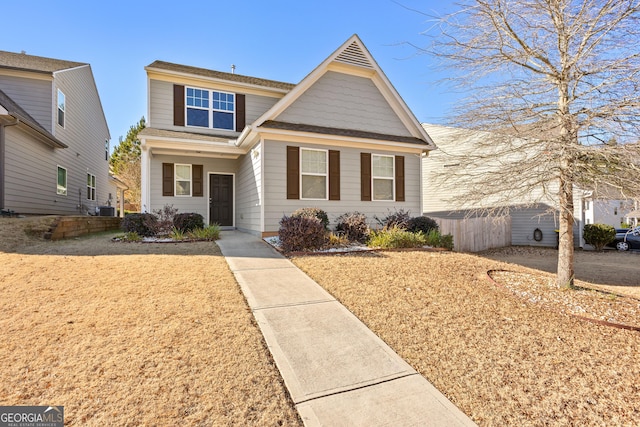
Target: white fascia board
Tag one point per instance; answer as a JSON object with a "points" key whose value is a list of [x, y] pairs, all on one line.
{"points": [[3, 111]]}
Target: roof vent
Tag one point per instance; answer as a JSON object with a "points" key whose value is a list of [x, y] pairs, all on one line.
{"points": [[353, 55]]}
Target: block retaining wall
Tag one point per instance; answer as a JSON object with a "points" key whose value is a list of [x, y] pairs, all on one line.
{"points": [[74, 226]]}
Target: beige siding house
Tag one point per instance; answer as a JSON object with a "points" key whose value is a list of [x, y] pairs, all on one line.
{"points": [[533, 212], [244, 151], [54, 138]]}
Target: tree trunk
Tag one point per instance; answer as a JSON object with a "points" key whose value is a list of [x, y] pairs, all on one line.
{"points": [[565, 247]]}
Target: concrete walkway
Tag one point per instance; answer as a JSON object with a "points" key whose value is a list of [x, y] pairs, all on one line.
{"points": [[337, 371]]}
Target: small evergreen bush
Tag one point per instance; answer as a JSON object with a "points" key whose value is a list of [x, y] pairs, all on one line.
{"points": [[353, 225], [398, 219], [186, 222], [298, 233], [422, 223], [313, 213], [396, 237], [446, 241], [599, 235], [144, 224]]}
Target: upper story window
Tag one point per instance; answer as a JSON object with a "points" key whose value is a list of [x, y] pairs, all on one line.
{"points": [[313, 173], [61, 107], [383, 177], [210, 109]]}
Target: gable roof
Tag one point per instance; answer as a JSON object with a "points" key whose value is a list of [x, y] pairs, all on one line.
{"points": [[219, 75], [18, 113], [352, 58], [39, 64]]}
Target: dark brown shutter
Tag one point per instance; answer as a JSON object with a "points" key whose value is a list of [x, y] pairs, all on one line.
{"points": [[198, 189], [334, 175], [399, 178], [178, 105], [240, 112], [365, 177], [167, 179], [293, 172]]}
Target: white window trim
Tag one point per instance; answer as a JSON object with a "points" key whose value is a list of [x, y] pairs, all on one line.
{"points": [[392, 178], [175, 180], [91, 178], [210, 109], [66, 181], [64, 109], [325, 175]]}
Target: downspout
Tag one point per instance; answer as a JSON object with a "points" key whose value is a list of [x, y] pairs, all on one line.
{"points": [[2, 159]]}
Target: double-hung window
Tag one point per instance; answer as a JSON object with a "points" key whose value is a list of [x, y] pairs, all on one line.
{"points": [[182, 180], [91, 187], [61, 107], [210, 109], [383, 177], [62, 181], [313, 173]]}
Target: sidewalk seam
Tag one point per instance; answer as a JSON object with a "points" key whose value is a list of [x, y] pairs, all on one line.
{"points": [[311, 399], [293, 304]]}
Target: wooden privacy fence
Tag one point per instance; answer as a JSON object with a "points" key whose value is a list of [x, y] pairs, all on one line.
{"points": [[477, 234]]}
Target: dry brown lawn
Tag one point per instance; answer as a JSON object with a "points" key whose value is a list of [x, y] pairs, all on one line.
{"points": [[132, 334], [500, 358]]}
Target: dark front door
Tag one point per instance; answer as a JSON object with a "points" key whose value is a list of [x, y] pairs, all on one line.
{"points": [[221, 199]]}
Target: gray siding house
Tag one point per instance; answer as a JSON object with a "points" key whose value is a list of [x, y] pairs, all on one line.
{"points": [[244, 151], [535, 210], [54, 138]]}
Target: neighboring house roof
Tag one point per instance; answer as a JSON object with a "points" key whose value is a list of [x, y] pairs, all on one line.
{"points": [[14, 110], [117, 182], [22, 61], [219, 75]]}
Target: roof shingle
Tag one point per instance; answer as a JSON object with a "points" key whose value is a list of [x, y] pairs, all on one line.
{"points": [[221, 75], [22, 61]]}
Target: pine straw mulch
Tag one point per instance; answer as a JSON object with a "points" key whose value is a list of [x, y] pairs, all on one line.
{"points": [[499, 357], [133, 334]]}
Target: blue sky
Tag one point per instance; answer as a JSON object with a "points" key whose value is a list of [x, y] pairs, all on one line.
{"points": [[279, 40]]}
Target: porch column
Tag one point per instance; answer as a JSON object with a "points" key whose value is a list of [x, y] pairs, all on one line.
{"points": [[145, 170]]}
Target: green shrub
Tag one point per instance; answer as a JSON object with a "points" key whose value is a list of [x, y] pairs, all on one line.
{"points": [[433, 238], [186, 222], [422, 223], [145, 224], [446, 241], [599, 235], [298, 233], [313, 213], [210, 232], [176, 234], [396, 237], [337, 240], [353, 225], [132, 237], [398, 219]]}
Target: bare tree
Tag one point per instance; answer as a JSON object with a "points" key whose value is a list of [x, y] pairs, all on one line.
{"points": [[556, 83]]}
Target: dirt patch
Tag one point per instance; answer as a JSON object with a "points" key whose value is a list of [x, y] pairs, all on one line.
{"points": [[500, 358], [133, 334], [610, 270]]}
